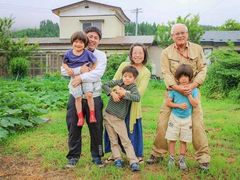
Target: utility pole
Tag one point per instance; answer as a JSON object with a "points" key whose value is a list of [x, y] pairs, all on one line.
{"points": [[137, 10]]}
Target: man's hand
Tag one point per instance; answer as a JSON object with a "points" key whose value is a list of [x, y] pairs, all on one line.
{"points": [[115, 96], [184, 90], [84, 68], [182, 106], [76, 81]]}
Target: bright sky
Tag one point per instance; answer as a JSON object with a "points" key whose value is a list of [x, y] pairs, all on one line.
{"points": [[29, 13]]}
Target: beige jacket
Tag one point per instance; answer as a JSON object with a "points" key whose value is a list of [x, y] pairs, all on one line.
{"points": [[171, 59]]}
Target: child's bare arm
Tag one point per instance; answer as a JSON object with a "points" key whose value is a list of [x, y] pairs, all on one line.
{"points": [[193, 101], [175, 105], [68, 69]]}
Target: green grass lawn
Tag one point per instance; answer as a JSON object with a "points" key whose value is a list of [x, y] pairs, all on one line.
{"points": [[47, 144]]}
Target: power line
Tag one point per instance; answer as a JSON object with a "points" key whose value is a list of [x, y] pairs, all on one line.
{"points": [[137, 10]]}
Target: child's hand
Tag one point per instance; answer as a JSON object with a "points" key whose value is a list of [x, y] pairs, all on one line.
{"points": [[121, 92], [115, 96], [69, 71], [182, 106]]}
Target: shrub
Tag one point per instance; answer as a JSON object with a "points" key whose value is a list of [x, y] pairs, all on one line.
{"points": [[19, 67], [223, 76], [114, 60]]}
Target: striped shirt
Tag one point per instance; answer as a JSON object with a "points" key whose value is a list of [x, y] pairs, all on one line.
{"points": [[120, 109]]}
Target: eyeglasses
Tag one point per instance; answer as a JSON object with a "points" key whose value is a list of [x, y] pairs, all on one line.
{"points": [[180, 33]]}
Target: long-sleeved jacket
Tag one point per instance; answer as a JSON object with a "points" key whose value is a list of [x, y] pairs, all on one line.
{"points": [[120, 109], [171, 59]]}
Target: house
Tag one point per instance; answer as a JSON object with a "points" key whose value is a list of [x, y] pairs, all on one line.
{"points": [[110, 20]]}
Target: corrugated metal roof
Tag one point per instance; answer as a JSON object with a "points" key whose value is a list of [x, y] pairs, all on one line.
{"points": [[221, 36]]}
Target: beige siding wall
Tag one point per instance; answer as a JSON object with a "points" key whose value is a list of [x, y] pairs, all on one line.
{"points": [[111, 27], [69, 25], [154, 53]]}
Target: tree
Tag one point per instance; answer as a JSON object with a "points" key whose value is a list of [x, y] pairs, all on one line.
{"points": [[230, 25], [163, 36], [195, 31], [11, 48], [47, 29], [223, 77], [144, 28]]}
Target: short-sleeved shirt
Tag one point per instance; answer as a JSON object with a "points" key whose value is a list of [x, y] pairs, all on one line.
{"points": [[74, 61], [178, 98]]}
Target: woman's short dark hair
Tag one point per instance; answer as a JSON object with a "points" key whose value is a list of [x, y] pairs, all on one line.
{"points": [[144, 51], [130, 69], [94, 29], [184, 69], [79, 35]]}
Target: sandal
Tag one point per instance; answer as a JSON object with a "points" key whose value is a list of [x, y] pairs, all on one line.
{"points": [[140, 160], [109, 160]]}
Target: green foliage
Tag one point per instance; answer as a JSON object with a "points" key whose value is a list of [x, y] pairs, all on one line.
{"points": [[11, 48], [230, 25], [19, 67], [209, 28], [47, 29], [114, 60], [223, 76], [144, 28], [195, 31], [22, 102], [163, 36]]}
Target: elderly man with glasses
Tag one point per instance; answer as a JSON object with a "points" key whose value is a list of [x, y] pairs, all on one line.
{"points": [[182, 52]]}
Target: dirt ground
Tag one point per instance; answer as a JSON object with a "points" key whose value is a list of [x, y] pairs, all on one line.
{"points": [[20, 168]]}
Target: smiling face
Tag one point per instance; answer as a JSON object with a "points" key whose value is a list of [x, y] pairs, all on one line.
{"points": [[78, 46], [137, 55], [128, 78], [180, 35], [93, 40], [184, 80]]}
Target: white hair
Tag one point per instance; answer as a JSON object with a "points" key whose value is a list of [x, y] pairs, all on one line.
{"points": [[176, 25]]}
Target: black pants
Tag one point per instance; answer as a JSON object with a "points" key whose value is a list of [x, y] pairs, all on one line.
{"points": [[75, 132]]}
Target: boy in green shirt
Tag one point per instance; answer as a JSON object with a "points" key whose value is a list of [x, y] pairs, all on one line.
{"points": [[116, 111]]}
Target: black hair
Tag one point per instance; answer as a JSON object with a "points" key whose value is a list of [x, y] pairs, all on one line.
{"points": [[94, 29], [79, 35], [144, 51], [184, 69], [130, 69]]}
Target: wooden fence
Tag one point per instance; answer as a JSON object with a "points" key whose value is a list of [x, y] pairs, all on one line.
{"points": [[40, 63]]}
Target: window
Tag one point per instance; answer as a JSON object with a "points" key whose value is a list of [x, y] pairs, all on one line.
{"points": [[95, 23]]}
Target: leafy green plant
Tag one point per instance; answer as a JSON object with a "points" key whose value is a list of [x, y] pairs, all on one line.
{"points": [[114, 60], [223, 77], [19, 67], [22, 105]]}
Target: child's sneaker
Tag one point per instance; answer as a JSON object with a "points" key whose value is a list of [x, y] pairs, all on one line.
{"points": [[171, 163], [80, 119], [92, 118], [134, 167], [204, 167], [182, 163], [118, 163]]}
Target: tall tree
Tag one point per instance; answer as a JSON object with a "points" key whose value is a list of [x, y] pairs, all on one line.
{"points": [[12, 48], [47, 29], [195, 31], [230, 25]]}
